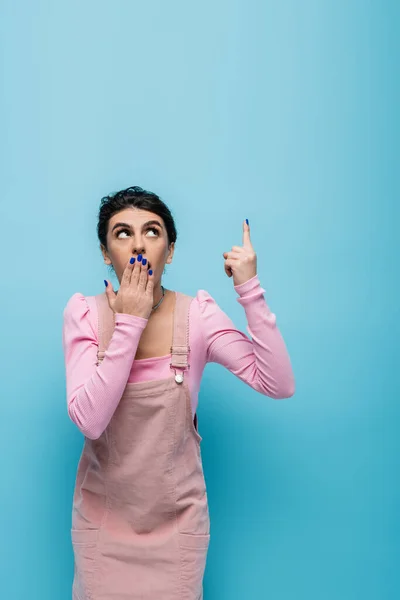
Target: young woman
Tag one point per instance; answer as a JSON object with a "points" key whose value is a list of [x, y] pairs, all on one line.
{"points": [[134, 360]]}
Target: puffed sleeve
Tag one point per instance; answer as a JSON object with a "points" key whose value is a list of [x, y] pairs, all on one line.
{"points": [[93, 392], [261, 362]]}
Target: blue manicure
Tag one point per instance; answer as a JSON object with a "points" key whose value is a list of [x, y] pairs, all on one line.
{"points": [[105, 283], [132, 260], [139, 257], [150, 272], [144, 261], [247, 221]]}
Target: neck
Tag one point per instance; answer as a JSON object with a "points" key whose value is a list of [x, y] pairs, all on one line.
{"points": [[157, 295]]}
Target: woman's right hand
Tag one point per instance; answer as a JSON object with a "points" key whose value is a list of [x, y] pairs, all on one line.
{"points": [[135, 294]]}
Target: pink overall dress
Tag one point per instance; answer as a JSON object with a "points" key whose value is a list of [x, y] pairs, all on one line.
{"points": [[140, 520]]}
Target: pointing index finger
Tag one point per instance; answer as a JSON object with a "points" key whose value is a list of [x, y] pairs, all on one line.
{"points": [[246, 233]]}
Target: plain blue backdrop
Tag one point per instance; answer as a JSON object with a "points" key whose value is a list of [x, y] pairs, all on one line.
{"points": [[285, 113]]}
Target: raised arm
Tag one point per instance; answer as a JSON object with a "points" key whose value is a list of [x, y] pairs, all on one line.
{"points": [[262, 362]]}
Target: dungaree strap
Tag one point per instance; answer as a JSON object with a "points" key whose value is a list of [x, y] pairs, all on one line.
{"points": [[180, 344]]}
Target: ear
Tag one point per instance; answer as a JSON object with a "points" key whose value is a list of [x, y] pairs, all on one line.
{"points": [[107, 259], [170, 253]]}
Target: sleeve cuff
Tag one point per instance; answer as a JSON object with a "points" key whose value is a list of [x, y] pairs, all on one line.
{"points": [[127, 319], [247, 286]]}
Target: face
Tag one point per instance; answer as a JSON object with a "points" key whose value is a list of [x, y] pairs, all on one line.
{"points": [[134, 231]]}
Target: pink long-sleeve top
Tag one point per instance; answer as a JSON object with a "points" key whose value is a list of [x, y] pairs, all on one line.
{"points": [[93, 392]]}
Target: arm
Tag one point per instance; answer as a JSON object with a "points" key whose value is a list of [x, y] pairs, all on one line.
{"points": [[263, 362], [93, 392]]}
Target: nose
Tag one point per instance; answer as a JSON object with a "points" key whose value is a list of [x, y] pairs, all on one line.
{"points": [[139, 249]]}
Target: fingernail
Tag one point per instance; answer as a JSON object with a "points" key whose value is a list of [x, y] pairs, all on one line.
{"points": [[105, 283], [132, 260], [150, 272], [144, 261], [247, 221], [139, 257]]}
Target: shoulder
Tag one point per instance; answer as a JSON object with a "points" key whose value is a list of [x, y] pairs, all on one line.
{"points": [[199, 298], [77, 303], [199, 303], [203, 298], [79, 309], [202, 302]]}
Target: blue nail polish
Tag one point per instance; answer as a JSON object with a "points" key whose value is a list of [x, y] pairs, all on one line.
{"points": [[132, 260], [247, 221], [150, 272], [105, 283], [144, 262], [139, 258]]}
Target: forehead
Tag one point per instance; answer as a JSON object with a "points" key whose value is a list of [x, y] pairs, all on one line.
{"points": [[135, 217]]}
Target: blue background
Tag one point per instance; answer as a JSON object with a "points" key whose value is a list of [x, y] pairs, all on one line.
{"points": [[285, 113]]}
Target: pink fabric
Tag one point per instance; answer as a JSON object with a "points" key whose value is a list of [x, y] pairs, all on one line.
{"points": [[93, 392], [140, 519]]}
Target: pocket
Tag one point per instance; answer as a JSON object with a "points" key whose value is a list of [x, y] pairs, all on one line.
{"points": [[84, 542], [193, 552], [195, 427], [195, 432], [192, 419]]}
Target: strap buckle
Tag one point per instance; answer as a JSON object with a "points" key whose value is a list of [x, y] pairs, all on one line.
{"points": [[183, 349]]}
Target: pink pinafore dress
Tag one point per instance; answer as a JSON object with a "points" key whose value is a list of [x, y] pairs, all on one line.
{"points": [[140, 520]]}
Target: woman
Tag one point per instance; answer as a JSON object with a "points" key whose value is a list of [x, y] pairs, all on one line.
{"points": [[134, 360]]}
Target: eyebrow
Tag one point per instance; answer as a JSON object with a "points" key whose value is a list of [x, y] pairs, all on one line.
{"points": [[152, 222]]}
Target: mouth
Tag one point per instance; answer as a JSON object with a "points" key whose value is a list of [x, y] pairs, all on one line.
{"points": [[148, 262]]}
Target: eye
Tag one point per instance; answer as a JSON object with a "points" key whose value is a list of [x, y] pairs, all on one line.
{"points": [[153, 229], [148, 229]]}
